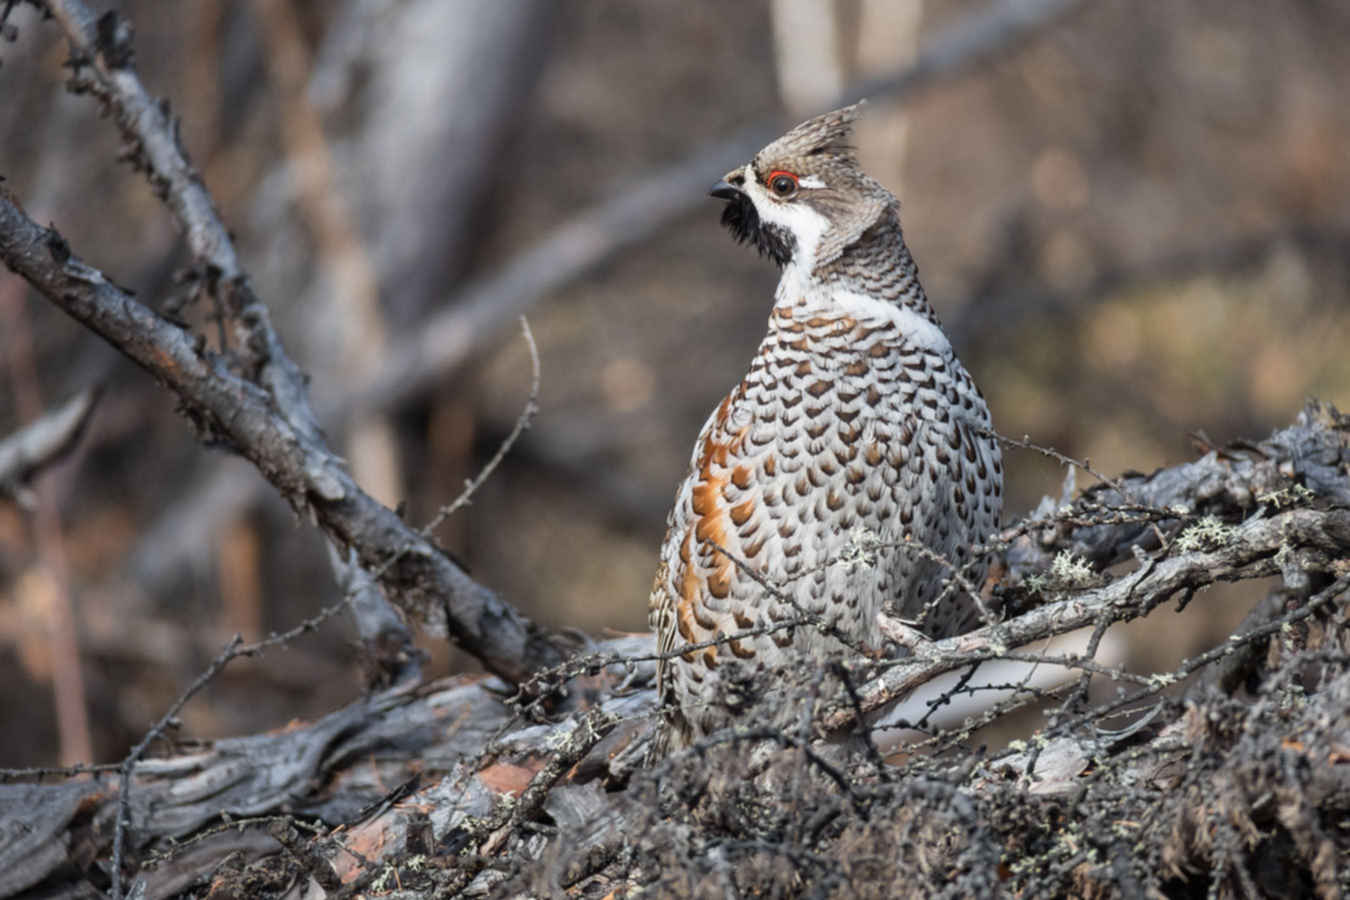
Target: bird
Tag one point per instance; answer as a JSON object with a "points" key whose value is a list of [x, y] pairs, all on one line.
{"points": [[852, 470]]}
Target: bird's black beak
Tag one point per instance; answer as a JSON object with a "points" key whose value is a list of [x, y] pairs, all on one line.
{"points": [[724, 190]]}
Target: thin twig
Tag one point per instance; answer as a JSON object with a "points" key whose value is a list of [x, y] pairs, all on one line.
{"points": [[1249, 554], [44, 441], [157, 730], [1194, 664], [522, 422], [1027, 444], [41, 772]]}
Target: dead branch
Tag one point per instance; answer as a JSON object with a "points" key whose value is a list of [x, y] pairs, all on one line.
{"points": [[41, 443], [228, 409], [1227, 483], [1317, 537]]}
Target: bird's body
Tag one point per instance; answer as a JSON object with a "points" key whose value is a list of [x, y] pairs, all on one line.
{"points": [[849, 463]]}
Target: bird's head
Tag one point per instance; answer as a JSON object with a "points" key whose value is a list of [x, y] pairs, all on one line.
{"points": [[803, 200]]}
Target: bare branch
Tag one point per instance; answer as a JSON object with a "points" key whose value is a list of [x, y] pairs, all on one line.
{"points": [[311, 477], [522, 422], [103, 57], [43, 442], [156, 732], [1109, 520], [1250, 553]]}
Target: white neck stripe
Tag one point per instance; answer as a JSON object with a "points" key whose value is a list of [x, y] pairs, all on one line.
{"points": [[918, 330]]}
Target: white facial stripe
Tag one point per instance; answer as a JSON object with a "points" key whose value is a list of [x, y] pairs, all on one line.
{"points": [[810, 181], [918, 330], [801, 221]]}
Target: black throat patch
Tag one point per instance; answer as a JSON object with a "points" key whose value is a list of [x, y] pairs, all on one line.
{"points": [[742, 220]]}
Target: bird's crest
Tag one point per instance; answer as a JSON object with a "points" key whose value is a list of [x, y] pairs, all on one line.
{"points": [[822, 142]]}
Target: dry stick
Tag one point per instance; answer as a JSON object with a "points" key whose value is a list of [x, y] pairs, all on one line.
{"points": [[522, 422], [104, 46], [471, 487], [358, 575], [873, 754], [129, 764], [1250, 553], [1194, 664], [1023, 694], [1084, 663], [306, 472], [946, 697], [957, 579], [1026, 444], [1080, 693], [41, 772], [44, 441]]}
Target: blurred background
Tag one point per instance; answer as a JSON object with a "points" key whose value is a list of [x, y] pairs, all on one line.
{"points": [[1135, 225]]}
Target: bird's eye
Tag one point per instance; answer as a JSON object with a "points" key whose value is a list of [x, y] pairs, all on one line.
{"points": [[784, 184]]}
